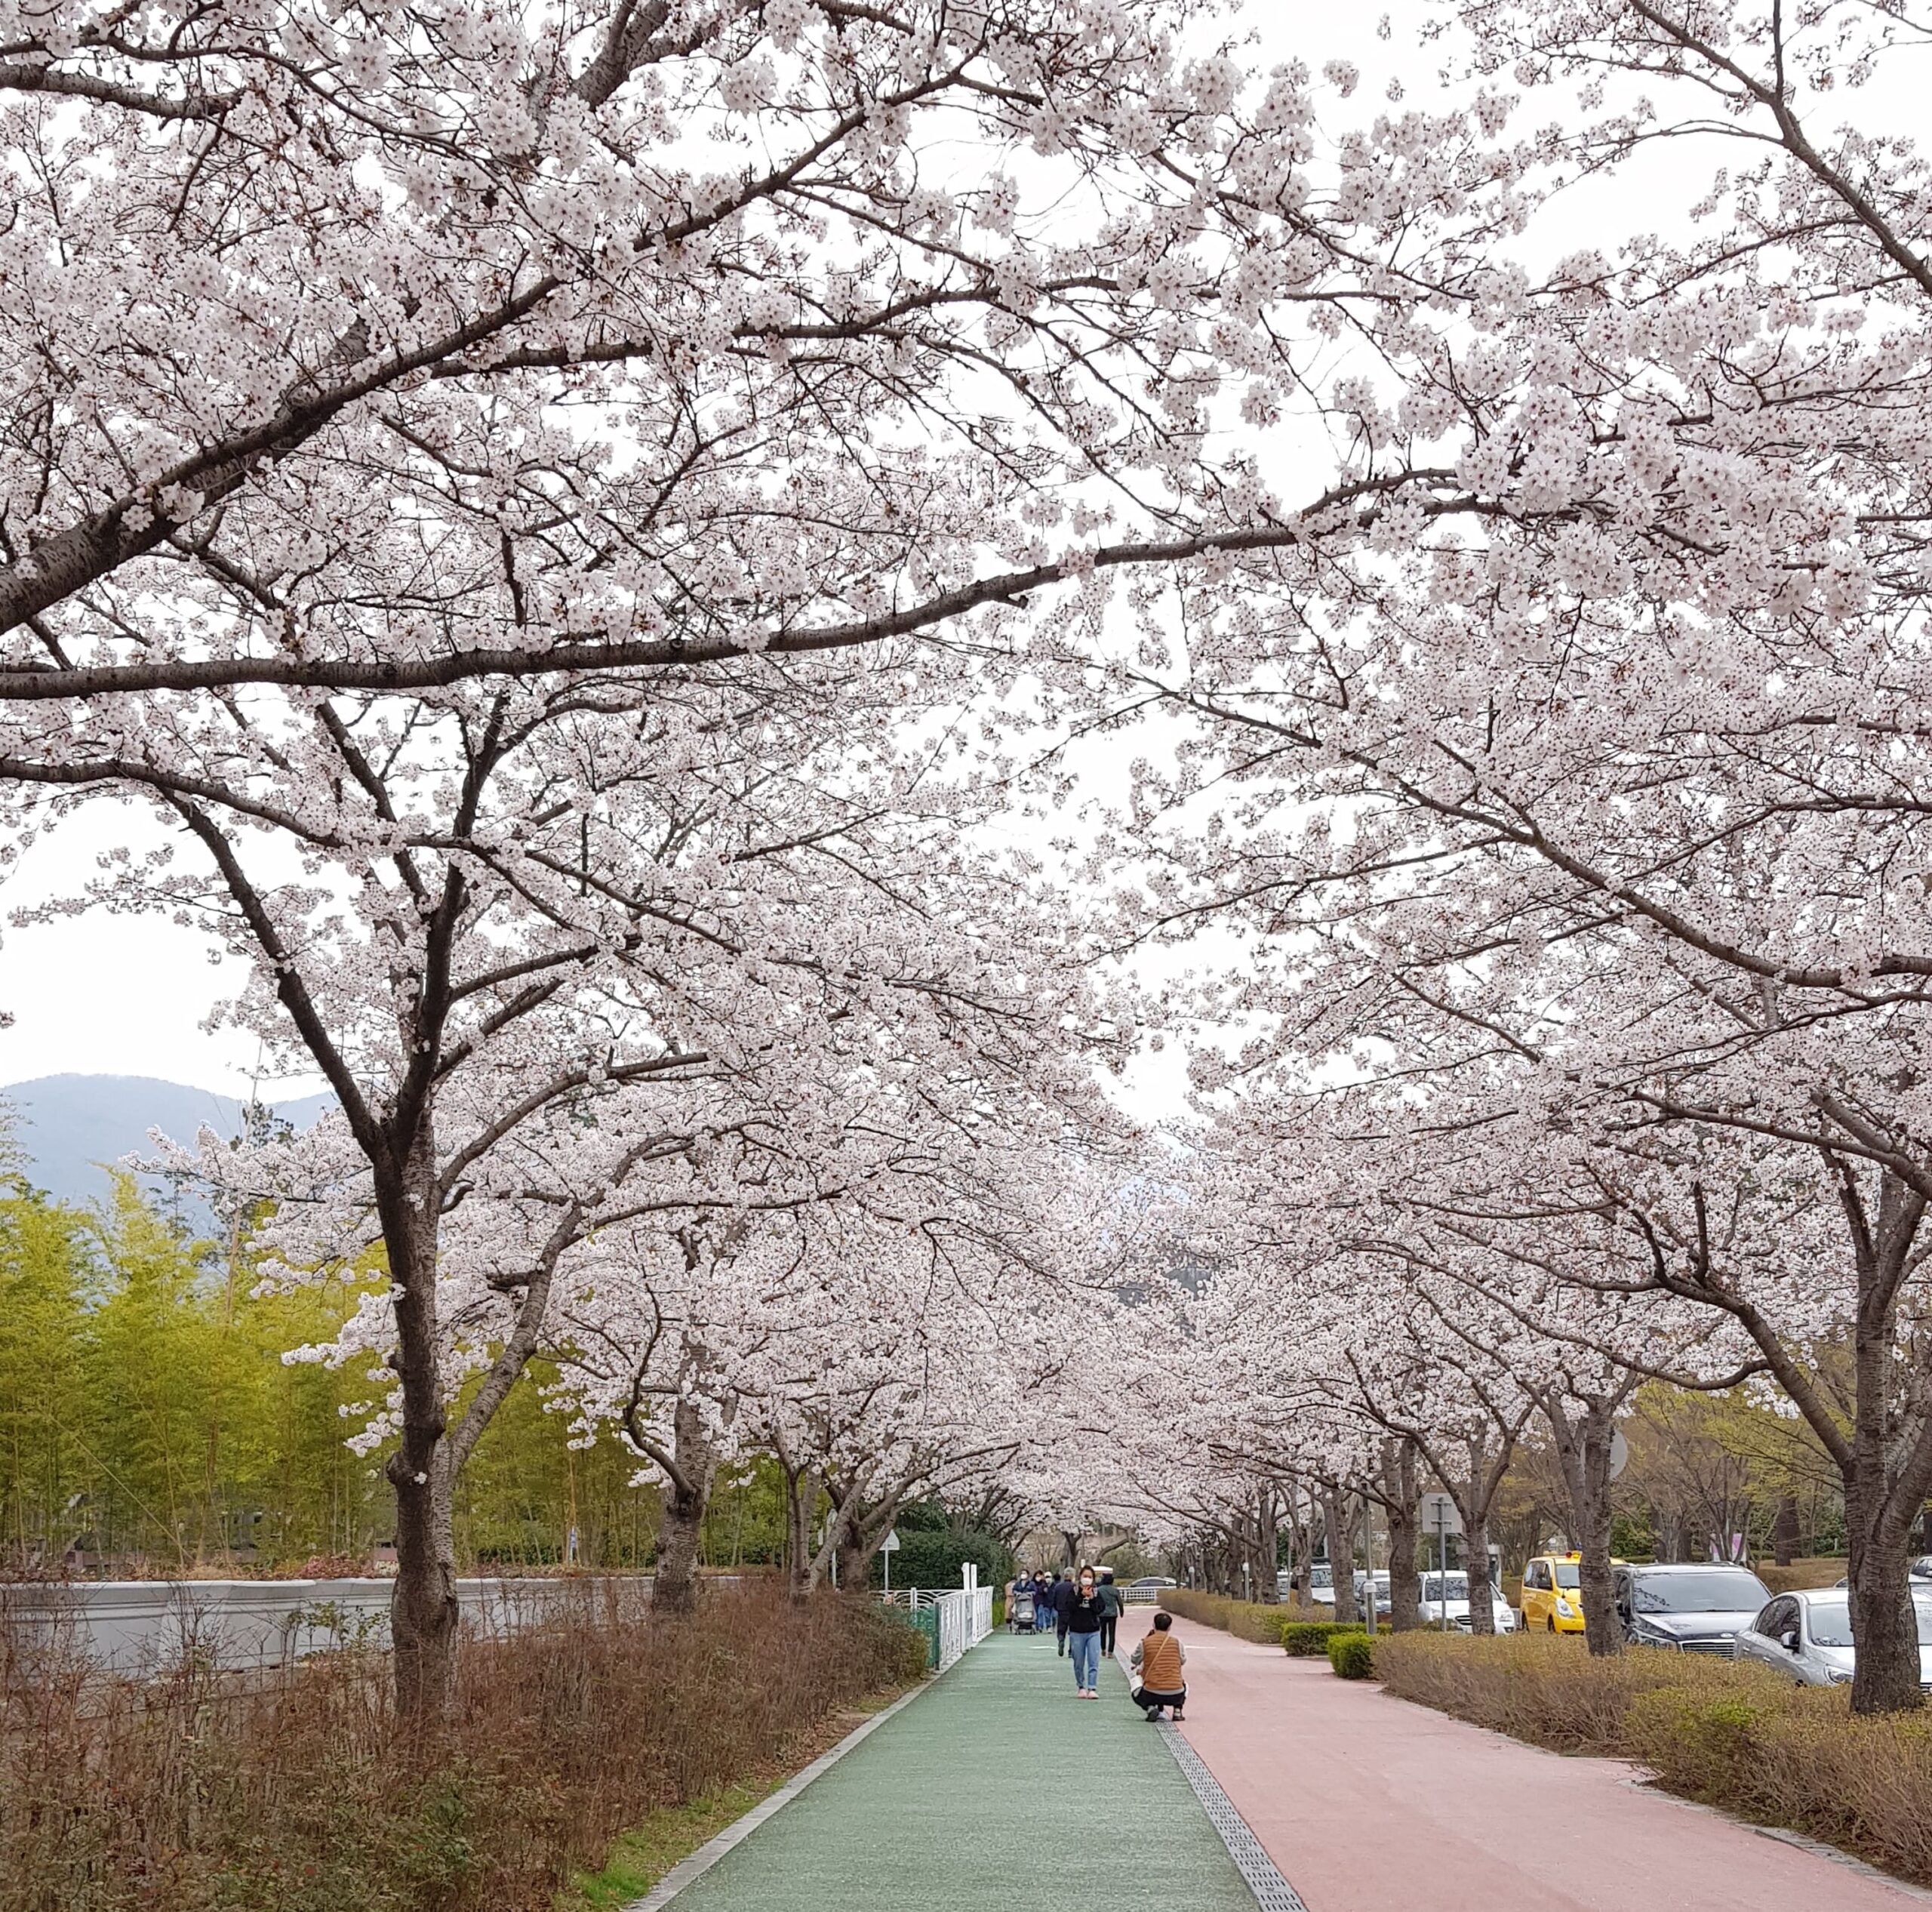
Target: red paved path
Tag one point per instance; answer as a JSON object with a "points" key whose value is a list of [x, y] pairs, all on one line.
{"points": [[1367, 1803]]}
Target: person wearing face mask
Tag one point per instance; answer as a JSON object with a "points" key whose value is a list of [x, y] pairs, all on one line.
{"points": [[1085, 1612]]}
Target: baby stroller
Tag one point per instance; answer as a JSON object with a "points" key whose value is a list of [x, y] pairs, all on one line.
{"points": [[1020, 1612]]}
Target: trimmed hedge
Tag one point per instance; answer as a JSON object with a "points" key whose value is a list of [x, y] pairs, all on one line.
{"points": [[1308, 1639], [1351, 1654], [1245, 1619], [1726, 1733]]}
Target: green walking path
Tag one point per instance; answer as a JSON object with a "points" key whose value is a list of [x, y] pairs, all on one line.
{"points": [[997, 1784]]}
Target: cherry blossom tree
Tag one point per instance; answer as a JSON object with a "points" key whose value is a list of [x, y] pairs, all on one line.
{"points": [[622, 335], [1598, 798], [545, 944]]}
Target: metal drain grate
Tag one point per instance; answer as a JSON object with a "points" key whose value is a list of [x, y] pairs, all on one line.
{"points": [[1272, 1893]]}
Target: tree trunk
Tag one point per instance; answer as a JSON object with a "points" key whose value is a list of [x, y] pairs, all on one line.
{"points": [[1301, 1548], [687, 1493], [1475, 1564], [1583, 1447], [1885, 1483], [1784, 1531], [1267, 1547], [802, 1493], [1341, 1555], [1885, 1623], [1485, 1476], [1402, 1504], [423, 1606]]}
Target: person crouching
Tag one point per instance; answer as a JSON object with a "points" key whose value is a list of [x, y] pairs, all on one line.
{"points": [[1159, 1659]]}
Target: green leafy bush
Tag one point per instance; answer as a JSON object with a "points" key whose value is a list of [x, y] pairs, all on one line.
{"points": [[1351, 1654], [932, 1556], [1308, 1639]]}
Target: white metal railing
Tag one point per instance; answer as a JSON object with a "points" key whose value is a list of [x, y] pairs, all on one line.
{"points": [[953, 1626], [962, 1616]]}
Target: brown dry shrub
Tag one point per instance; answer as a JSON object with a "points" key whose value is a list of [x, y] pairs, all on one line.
{"points": [[1800, 1758], [1821, 1570], [199, 1792], [1551, 1692], [1732, 1735]]}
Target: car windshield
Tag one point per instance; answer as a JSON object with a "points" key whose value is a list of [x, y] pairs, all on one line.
{"points": [[1320, 1577], [1722, 1590], [1830, 1619], [1566, 1573], [1432, 1583]]}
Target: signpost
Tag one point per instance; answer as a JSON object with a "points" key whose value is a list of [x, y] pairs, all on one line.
{"points": [[1440, 1511], [1368, 1562], [888, 1547], [1620, 1454]]}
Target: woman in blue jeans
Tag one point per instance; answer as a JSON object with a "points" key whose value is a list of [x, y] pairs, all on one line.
{"points": [[1084, 1612]]}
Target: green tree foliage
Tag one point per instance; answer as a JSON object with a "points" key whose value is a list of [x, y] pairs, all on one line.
{"points": [[147, 1417], [933, 1557], [43, 1381]]}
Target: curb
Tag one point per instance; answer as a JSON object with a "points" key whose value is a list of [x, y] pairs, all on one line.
{"points": [[1259, 1873], [1837, 1856], [696, 1865]]}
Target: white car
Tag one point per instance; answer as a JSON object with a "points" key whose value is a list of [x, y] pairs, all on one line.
{"points": [[1430, 1603]]}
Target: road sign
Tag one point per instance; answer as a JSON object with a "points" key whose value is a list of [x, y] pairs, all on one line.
{"points": [[890, 1543], [1439, 1515], [1620, 1454]]}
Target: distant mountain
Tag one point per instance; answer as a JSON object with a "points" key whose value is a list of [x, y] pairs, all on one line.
{"points": [[70, 1126]]}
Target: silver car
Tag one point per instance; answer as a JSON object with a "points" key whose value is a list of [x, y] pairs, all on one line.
{"points": [[1690, 1607], [1807, 1635]]}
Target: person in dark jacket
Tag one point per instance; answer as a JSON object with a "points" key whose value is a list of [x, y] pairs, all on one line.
{"points": [[1062, 1594], [1085, 1613], [1110, 1606], [1043, 1601]]}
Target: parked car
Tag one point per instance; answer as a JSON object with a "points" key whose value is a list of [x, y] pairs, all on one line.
{"points": [[1455, 1588], [1321, 1582], [1693, 1607], [1153, 1582], [1808, 1636], [1552, 1598], [1429, 1604]]}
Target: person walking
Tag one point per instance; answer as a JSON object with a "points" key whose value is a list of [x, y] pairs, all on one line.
{"points": [[1063, 1596], [1043, 1601], [1159, 1659], [1083, 1629], [1111, 1604]]}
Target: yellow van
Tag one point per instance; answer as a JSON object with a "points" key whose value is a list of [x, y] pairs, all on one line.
{"points": [[1552, 1596]]}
